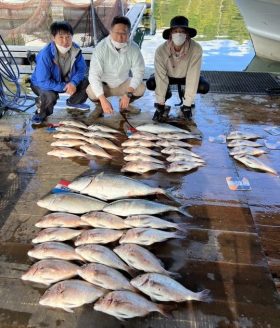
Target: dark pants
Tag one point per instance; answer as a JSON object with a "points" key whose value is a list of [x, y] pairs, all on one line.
{"points": [[47, 99], [203, 85]]}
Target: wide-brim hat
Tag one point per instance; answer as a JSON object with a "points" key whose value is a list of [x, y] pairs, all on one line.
{"points": [[179, 21]]}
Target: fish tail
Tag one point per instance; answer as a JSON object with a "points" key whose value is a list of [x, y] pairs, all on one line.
{"points": [[182, 227], [175, 275], [183, 211], [170, 196], [166, 310], [204, 296]]}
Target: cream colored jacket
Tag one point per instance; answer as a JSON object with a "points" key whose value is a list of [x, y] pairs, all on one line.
{"points": [[188, 67]]}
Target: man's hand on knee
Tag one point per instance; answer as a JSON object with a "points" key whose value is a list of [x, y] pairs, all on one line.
{"points": [[106, 106], [70, 88]]}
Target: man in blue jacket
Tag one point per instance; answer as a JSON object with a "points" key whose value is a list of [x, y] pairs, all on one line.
{"points": [[60, 67]]}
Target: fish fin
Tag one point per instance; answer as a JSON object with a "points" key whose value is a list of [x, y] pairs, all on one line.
{"points": [[182, 227], [67, 309], [170, 196], [204, 296], [183, 211], [174, 274], [166, 310]]}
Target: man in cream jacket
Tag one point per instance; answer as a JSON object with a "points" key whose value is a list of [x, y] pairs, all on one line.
{"points": [[113, 62]]}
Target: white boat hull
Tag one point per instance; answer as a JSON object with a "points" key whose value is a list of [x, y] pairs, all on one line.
{"points": [[262, 18]]}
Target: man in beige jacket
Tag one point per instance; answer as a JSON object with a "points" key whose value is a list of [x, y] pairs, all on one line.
{"points": [[177, 61]]}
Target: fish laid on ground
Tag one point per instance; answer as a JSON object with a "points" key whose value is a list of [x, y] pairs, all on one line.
{"points": [[144, 136], [255, 163], [103, 276], [142, 158], [54, 250], [95, 151], [60, 219], [71, 203], [243, 150], [141, 150], [103, 128], [160, 128], [140, 258], [65, 152], [165, 289], [114, 186], [103, 255], [50, 271], [148, 236], [70, 129], [234, 135], [141, 167], [149, 221], [184, 158], [138, 143], [68, 143], [55, 234], [104, 143], [126, 207], [100, 134], [178, 136], [245, 143], [69, 135], [182, 166], [104, 220], [70, 294], [98, 236], [178, 150], [173, 143], [126, 304], [73, 123]]}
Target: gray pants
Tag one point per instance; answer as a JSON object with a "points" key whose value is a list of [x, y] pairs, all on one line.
{"points": [[47, 99]]}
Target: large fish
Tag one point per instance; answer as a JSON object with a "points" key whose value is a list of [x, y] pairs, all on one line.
{"points": [[73, 123], [159, 128], [183, 166], [243, 143], [148, 236], [68, 143], [114, 186], [104, 143], [255, 163], [65, 152], [55, 234], [103, 128], [178, 150], [69, 135], [234, 135], [104, 220], [165, 289], [142, 158], [141, 167], [184, 158], [141, 150], [95, 150], [243, 150], [50, 271], [138, 143], [100, 134], [60, 219], [178, 136], [149, 221], [173, 143], [103, 255], [71, 203], [103, 276], [70, 294], [126, 207], [54, 250], [70, 129], [98, 236], [144, 136], [126, 304], [140, 258]]}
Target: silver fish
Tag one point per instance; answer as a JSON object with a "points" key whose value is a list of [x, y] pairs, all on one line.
{"points": [[60, 219], [148, 236], [69, 135], [184, 158], [71, 203], [141, 167], [160, 128], [103, 276], [142, 158], [126, 207], [173, 143], [50, 271], [178, 136], [165, 289], [114, 186], [234, 135], [100, 134], [103, 255], [103, 128], [182, 166], [104, 143], [144, 136], [95, 151], [98, 236], [54, 250], [243, 150], [140, 258], [70, 294], [141, 150], [126, 304], [55, 234], [68, 143], [104, 220], [245, 143], [70, 129], [73, 123], [255, 163], [65, 152], [149, 221], [178, 150], [138, 143]]}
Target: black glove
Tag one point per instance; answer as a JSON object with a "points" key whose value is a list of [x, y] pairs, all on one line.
{"points": [[159, 113], [187, 112]]}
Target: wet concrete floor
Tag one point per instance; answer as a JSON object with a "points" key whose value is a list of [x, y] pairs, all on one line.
{"points": [[233, 243]]}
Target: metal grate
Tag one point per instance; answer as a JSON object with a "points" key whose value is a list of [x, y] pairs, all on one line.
{"points": [[242, 82]]}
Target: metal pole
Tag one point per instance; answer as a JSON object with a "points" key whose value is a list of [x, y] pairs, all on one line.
{"points": [[93, 24]]}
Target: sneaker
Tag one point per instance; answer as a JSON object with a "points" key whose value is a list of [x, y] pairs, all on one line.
{"points": [[82, 107], [36, 119]]}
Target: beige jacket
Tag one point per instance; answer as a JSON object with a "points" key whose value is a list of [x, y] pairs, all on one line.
{"points": [[188, 67]]}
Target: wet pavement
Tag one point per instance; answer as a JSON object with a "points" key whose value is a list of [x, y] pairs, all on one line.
{"points": [[233, 243]]}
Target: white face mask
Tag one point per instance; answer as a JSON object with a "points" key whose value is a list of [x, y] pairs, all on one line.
{"points": [[118, 45], [63, 50], [179, 38]]}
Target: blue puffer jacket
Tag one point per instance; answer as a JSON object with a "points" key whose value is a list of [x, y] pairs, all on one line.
{"points": [[47, 74]]}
